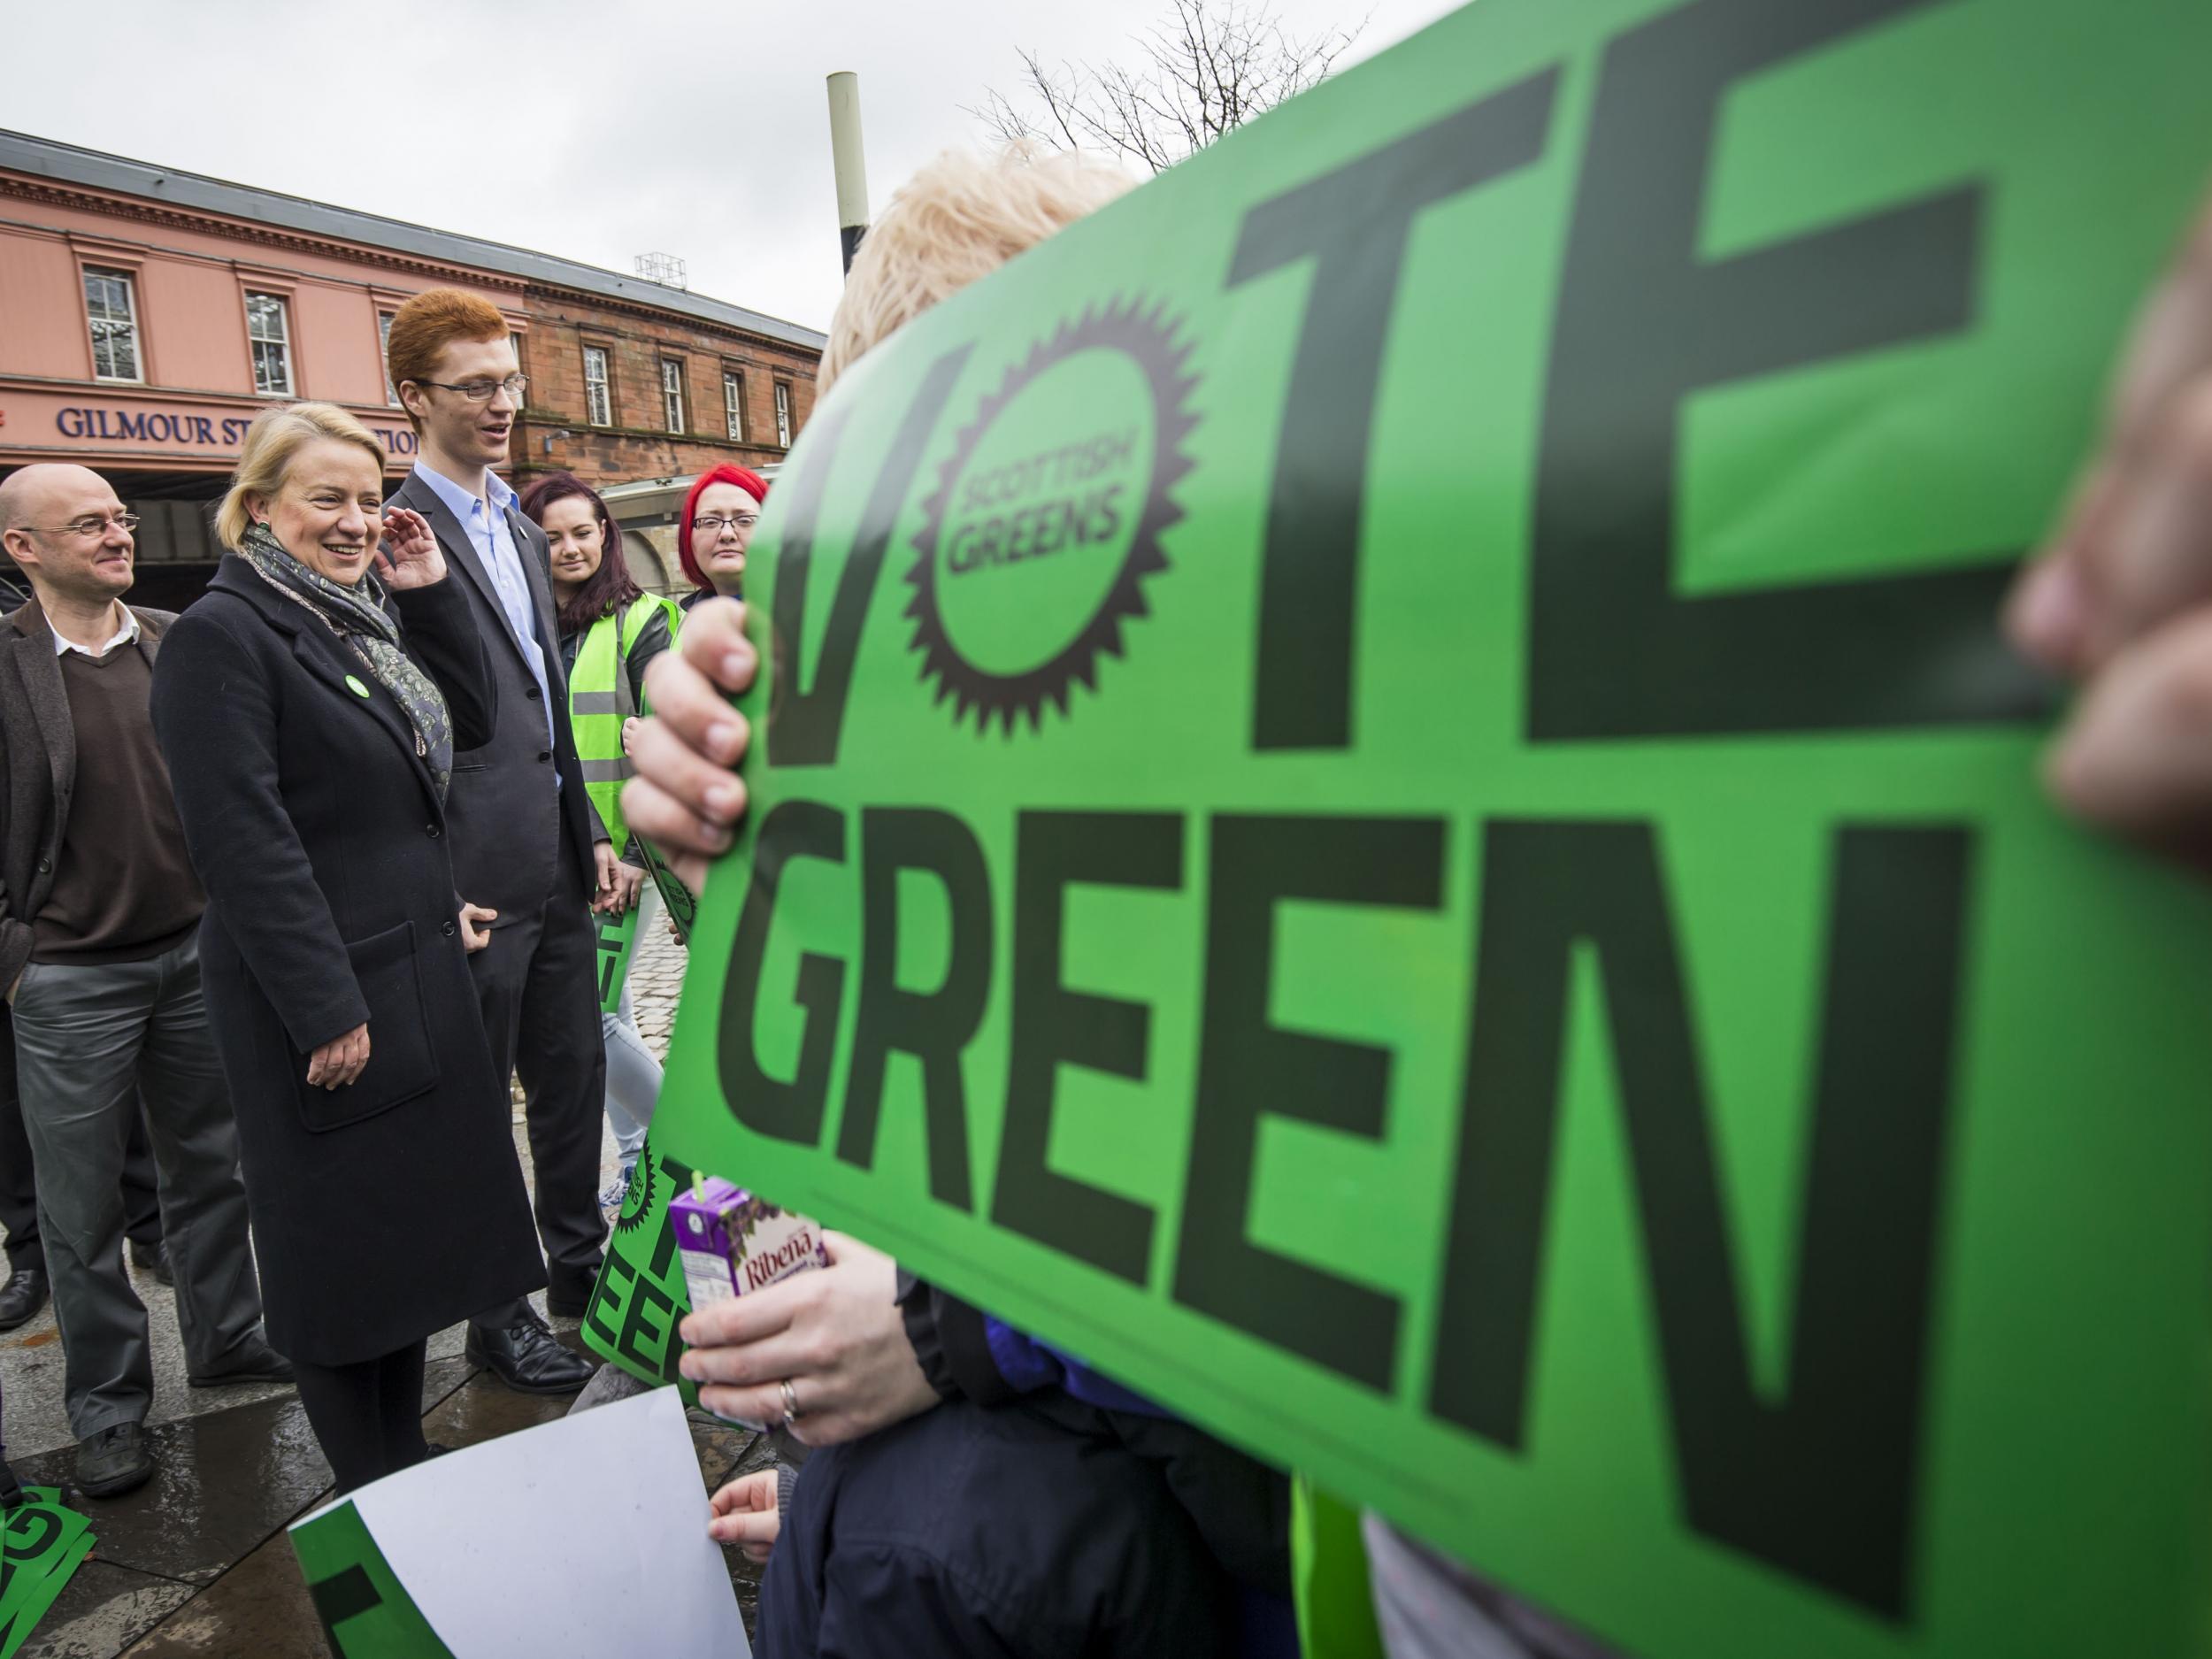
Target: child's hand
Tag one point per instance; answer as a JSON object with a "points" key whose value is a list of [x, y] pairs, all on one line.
{"points": [[745, 1515]]}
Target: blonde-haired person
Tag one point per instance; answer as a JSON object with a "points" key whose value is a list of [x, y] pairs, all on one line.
{"points": [[309, 706], [1095, 1523], [959, 218]]}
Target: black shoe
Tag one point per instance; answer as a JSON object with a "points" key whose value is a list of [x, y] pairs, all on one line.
{"points": [[21, 1298], [526, 1358], [152, 1258], [254, 1361], [114, 1461], [567, 1298]]}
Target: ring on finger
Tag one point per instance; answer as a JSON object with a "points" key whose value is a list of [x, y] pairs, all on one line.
{"points": [[791, 1411]]}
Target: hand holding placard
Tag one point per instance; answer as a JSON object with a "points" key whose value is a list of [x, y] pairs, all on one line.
{"points": [[2122, 597], [683, 797]]}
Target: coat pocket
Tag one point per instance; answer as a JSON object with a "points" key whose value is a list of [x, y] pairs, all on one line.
{"points": [[401, 1065]]}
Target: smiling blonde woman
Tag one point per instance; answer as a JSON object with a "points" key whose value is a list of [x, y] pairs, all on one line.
{"points": [[308, 707]]}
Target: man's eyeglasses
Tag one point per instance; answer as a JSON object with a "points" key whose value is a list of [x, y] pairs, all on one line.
{"points": [[482, 391], [90, 525], [713, 524]]}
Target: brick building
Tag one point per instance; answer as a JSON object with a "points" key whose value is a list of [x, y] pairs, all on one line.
{"points": [[147, 314], [663, 386]]}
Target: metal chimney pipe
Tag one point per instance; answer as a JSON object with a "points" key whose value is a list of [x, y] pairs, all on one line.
{"points": [[850, 159]]}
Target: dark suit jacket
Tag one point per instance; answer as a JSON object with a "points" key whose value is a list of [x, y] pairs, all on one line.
{"points": [[38, 769], [507, 821], [393, 1206]]}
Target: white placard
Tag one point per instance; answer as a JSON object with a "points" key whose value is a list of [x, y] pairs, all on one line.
{"points": [[585, 1535]]}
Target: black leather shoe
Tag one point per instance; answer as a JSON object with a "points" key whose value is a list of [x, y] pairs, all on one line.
{"points": [[114, 1461], [254, 1361], [152, 1259], [526, 1358], [569, 1297], [21, 1298]]}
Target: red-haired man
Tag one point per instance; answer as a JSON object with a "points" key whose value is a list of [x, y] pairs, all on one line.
{"points": [[527, 847]]}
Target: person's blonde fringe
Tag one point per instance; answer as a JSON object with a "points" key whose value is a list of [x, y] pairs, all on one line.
{"points": [[960, 218]]}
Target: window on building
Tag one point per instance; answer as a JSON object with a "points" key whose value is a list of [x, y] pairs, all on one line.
{"points": [[598, 401], [269, 337], [384, 355], [783, 413], [111, 303], [515, 340], [672, 394], [734, 403]]}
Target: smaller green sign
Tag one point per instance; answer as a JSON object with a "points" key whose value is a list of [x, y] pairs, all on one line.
{"points": [[681, 903], [41, 1547], [640, 1299], [617, 947]]}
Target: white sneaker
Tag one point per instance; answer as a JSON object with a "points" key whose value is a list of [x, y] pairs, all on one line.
{"points": [[610, 1196]]}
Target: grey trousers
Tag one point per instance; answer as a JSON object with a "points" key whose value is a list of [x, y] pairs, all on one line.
{"points": [[88, 1041]]}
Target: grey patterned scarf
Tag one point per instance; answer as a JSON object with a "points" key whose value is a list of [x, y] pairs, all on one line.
{"points": [[358, 620]]}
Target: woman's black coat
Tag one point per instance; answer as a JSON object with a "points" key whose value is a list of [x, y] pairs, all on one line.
{"points": [[395, 1206]]}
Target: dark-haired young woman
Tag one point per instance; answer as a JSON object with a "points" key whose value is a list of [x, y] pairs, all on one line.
{"points": [[611, 628]]}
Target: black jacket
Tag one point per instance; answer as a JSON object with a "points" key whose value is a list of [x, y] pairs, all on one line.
{"points": [[1046, 1529], [508, 821], [393, 1207]]}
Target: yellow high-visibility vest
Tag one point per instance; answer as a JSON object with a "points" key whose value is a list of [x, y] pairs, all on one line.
{"points": [[596, 703]]}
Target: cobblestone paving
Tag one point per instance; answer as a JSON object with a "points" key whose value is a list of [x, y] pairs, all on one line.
{"points": [[656, 976]]}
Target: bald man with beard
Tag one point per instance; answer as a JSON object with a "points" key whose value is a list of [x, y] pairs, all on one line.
{"points": [[99, 956]]}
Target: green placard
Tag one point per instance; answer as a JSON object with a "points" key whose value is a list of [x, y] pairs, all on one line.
{"points": [[677, 899], [366, 1612], [43, 1543], [616, 939], [1391, 804], [639, 1297]]}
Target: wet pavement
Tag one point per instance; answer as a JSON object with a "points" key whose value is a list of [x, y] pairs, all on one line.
{"points": [[197, 1561]]}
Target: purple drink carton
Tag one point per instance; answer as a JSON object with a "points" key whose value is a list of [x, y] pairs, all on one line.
{"points": [[732, 1242]]}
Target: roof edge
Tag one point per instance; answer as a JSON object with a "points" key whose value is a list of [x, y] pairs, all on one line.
{"points": [[70, 163]]}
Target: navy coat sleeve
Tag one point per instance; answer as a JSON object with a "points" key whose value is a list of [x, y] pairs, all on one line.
{"points": [[441, 636], [215, 717]]}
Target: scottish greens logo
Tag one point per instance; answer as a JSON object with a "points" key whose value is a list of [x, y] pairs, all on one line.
{"points": [[1047, 521], [637, 1197]]}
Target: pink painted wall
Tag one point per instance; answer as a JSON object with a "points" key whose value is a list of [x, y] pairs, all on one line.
{"points": [[41, 312], [193, 323], [338, 356]]}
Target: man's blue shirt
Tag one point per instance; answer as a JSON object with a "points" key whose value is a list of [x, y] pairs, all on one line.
{"points": [[495, 544]]}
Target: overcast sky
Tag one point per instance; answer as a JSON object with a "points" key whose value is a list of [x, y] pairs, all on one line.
{"points": [[596, 131]]}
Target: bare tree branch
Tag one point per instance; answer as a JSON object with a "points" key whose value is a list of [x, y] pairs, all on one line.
{"points": [[1203, 70]]}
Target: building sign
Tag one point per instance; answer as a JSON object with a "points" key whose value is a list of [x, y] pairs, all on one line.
{"points": [[34, 425], [1388, 799]]}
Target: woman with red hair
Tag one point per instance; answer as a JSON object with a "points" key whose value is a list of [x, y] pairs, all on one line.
{"points": [[716, 528]]}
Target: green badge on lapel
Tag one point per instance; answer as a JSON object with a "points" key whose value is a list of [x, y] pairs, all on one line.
{"points": [[353, 683]]}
